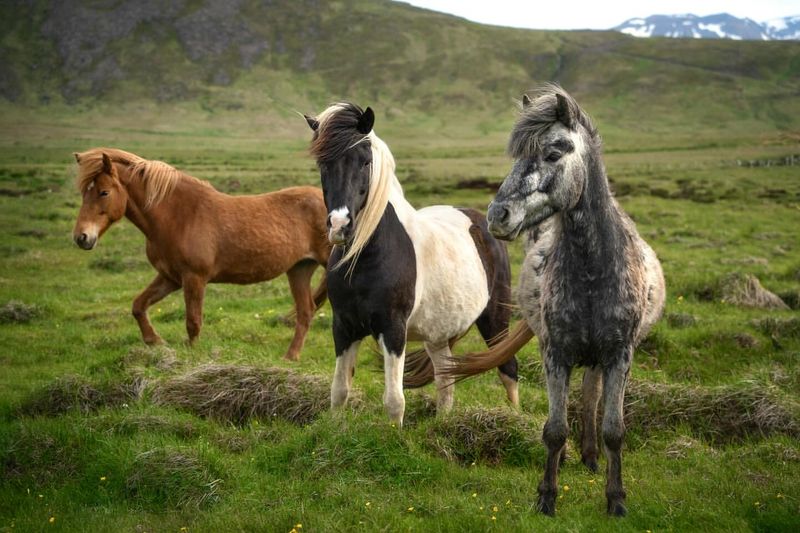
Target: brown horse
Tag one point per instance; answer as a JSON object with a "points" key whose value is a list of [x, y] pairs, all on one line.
{"points": [[197, 235]]}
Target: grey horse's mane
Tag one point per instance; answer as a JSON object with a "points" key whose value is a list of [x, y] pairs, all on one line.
{"points": [[539, 115]]}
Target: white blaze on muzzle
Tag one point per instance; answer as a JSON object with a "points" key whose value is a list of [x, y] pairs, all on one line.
{"points": [[339, 218]]}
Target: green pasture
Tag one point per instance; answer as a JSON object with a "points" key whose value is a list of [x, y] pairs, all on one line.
{"points": [[96, 435]]}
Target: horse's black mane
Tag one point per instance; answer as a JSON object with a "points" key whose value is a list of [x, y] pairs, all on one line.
{"points": [[337, 133], [538, 116]]}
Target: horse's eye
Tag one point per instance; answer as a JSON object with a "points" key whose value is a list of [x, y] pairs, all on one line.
{"points": [[362, 192], [367, 163], [552, 157], [103, 193]]}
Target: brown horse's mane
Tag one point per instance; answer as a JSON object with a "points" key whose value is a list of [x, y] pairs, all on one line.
{"points": [[159, 178]]}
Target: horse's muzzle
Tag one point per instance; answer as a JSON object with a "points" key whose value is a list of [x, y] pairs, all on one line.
{"points": [[85, 241]]}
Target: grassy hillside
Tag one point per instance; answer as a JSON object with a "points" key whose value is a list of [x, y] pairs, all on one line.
{"points": [[98, 432], [267, 59]]}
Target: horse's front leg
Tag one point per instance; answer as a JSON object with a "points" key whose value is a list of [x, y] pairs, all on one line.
{"points": [[555, 432], [156, 291], [194, 290], [614, 379], [591, 390], [392, 341], [346, 346]]}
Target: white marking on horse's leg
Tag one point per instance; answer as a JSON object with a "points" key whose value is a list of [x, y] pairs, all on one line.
{"points": [[343, 375], [393, 398], [512, 389], [440, 355]]}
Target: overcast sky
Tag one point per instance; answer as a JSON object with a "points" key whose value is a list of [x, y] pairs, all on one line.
{"points": [[598, 14]]}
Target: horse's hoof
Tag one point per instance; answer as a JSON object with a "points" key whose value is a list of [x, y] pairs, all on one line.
{"points": [[616, 508], [157, 341], [591, 463], [292, 358], [547, 504]]}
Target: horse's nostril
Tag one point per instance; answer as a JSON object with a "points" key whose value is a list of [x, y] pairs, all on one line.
{"points": [[498, 213], [503, 214]]}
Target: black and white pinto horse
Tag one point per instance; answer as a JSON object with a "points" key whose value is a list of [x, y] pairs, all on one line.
{"points": [[590, 287], [397, 273]]}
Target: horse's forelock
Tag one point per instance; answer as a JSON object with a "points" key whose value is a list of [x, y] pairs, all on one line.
{"points": [[536, 118], [159, 177], [337, 131]]}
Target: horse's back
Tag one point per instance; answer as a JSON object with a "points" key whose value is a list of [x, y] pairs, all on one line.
{"points": [[261, 236]]}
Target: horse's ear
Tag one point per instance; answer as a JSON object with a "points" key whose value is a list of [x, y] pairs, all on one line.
{"points": [[564, 111], [526, 101], [106, 164], [366, 121], [77, 157], [312, 122]]}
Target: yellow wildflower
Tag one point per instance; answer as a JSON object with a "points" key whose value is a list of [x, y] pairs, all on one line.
{"points": [[780, 496], [494, 509], [566, 488], [102, 478], [474, 494], [494, 518], [368, 504], [411, 509], [299, 526], [52, 519]]}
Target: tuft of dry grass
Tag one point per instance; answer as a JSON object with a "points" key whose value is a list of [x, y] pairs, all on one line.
{"points": [[173, 478], [16, 312], [160, 357], [779, 327], [76, 392], [680, 320], [487, 435], [721, 414], [236, 394], [746, 291]]}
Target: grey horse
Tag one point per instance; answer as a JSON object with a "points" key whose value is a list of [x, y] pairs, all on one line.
{"points": [[590, 288]]}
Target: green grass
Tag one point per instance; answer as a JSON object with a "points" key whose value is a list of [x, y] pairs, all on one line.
{"points": [[85, 438]]}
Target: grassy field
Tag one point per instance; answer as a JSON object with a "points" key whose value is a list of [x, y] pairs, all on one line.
{"points": [[98, 432]]}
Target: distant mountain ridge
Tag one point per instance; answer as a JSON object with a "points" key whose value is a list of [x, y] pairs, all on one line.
{"points": [[719, 26]]}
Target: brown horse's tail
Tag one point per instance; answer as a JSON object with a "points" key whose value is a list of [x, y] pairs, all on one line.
{"points": [[419, 369], [477, 363]]}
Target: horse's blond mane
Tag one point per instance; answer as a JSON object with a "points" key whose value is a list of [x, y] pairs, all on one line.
{"points": [[159, 178]]}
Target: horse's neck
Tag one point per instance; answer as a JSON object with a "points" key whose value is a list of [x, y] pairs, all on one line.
{"points": [[404, 210], [594, 228], [143, 217]]}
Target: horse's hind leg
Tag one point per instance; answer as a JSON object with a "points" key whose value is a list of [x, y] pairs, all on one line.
{"points": [[492, 323], [440, 356], [300, 284], [157, 290], [590, 396], [614, 379], [555, 433], [194, 291]]}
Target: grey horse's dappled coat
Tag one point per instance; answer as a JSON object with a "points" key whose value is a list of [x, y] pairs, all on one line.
{"points": [[590, 287]]}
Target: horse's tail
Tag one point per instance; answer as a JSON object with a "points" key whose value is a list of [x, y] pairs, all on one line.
{"points": [[419, 369], [477, 363], [321, 293]]}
